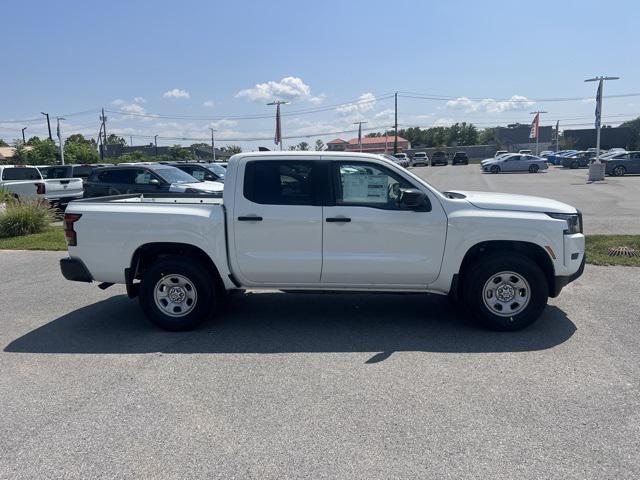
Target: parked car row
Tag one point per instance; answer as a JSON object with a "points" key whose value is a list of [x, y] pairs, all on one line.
{"points": [[422, 159], [60, 184]]}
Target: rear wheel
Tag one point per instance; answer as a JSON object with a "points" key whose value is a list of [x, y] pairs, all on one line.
{"points": [[505, 293], [534, 168], [177, 294], [619, 171], [494, 169], [574, 165]]}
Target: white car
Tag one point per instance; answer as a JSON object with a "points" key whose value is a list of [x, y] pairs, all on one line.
{"points": [[27, 181], [420, 158], [326, 221]]}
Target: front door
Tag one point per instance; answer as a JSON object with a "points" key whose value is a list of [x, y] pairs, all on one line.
{"points": [[277, 222], [371, 239]]}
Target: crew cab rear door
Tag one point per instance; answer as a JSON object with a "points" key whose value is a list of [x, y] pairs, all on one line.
{"points": [[371, 239], [277, 221]]}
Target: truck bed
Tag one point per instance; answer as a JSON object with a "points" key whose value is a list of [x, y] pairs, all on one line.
{"points": [[162, 198]]}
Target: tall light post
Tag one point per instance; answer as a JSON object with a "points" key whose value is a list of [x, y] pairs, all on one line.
{"points": [[213, 145], [277, 139], [359, 133], [23, 139], [60, 139], [537, 120], [48, 124], [155, 142], [596, 169]]}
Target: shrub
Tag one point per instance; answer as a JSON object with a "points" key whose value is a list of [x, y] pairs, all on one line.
{"points": [[26, 216], [5, 195]]}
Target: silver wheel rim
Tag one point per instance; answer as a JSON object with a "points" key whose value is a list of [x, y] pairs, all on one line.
{"points": [[175, 295], [506, 294], [619, 171]]}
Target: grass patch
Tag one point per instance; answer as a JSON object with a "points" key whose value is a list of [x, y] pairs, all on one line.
{"points": [[52, 238], [598, 246]]}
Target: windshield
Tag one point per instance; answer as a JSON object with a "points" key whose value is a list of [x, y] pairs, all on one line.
{"points": [[174, 175], [217, 169]]}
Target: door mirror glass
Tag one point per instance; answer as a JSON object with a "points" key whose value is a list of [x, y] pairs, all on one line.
{"points": [[413, 198], [154, 181], [210, 177]]}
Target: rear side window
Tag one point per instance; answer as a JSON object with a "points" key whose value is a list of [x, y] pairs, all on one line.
{"points": [[115, 176], [81, 171], [279, 182], [21, 173], [54, 172]]}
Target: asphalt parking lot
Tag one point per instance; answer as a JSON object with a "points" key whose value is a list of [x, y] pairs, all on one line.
{"points": [[607, 207], [315, 386]]}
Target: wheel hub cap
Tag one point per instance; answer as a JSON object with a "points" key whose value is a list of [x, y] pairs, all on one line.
{"points": [[175, 295], [506, 294]]}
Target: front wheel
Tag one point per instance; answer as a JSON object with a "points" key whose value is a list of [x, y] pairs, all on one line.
{"points": [[619, 171], [495, 169], [506, 293], [534, 168], [177, 294]]}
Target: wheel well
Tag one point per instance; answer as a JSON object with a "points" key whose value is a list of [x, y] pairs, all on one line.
{"points": [[530, 250], [147, 254]]}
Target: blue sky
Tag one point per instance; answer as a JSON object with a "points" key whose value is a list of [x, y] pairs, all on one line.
{"points": [[218, 60]]}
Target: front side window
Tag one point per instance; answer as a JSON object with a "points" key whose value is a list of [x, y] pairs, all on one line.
{"points": [[279, 182], [366, 184]]}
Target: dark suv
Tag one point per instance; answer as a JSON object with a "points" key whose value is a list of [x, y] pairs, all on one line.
{"points": [[460, 158], [145, 178], [69, 171], [202, 171], [439, 158]]}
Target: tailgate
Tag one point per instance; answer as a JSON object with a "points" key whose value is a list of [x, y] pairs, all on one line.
{"points": [[63, 187]]}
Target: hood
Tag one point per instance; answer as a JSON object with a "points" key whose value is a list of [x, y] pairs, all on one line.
{"points": [[488, 161], [202, 186], [521, 203]]}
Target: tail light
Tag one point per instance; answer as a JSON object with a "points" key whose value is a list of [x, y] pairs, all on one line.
{"points": [[40, 189], [69, 233]]}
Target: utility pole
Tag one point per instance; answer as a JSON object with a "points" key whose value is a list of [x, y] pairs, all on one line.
{"points": [[278, 136], [48, 125], [557, 136], [359, 133], [538, 112], [395, 141], [596, 169], [155, 141], [131, 140], [60, 139], [103, 119], [213, 145], [23, 140]]}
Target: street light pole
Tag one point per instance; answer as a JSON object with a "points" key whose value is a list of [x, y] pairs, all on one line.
{"points": [[213, 145], [596, 172], [23, 139], [155, 141], [48, 125], [537, 129], [60, 139]]}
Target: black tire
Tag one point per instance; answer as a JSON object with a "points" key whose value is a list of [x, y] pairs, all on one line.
{"points": [[619, 171], [198, 279], [494, 169], [480, 274], [533, 168], [574, 165]]}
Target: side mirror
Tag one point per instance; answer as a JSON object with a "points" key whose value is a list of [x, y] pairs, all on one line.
{"points": [[210, 177], [154, 181], [414, 199]]}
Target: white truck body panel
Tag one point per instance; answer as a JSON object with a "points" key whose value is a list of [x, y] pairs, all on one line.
{"points": [[55, 189], [294, 247]]}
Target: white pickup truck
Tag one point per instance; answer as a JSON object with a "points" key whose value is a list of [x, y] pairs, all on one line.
{"points": [[26, 181], [326, 221]]}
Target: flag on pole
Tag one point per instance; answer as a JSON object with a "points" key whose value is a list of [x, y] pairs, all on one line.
{"points": [[278, 137], [534, 126], [598, 105]]}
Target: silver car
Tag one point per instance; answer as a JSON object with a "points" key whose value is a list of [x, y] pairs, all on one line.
{"points": [[515, 162]]}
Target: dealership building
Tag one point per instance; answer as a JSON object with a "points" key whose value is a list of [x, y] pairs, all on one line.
{"points": [[382, 144]]}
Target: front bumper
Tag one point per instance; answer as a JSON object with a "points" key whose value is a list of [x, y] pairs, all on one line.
{"points": [[563, 281], [75, 270]]}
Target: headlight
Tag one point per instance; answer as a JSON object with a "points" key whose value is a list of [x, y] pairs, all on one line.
{"points": [[574, 221]]}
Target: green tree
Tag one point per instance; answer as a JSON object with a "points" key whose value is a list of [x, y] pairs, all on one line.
{"points": [[135, 156], [21, 153], [181, 153], [232, 149], [78, 149], [320, 145], [3, 143], [634, 125], [33, 140], [114, 139], [43, 152]]}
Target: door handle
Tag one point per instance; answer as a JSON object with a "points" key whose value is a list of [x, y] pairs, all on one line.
{"points": [[250, 218], [338, 219]]}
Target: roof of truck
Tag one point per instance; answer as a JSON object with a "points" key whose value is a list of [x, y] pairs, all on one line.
{"points": [[311, 155]]}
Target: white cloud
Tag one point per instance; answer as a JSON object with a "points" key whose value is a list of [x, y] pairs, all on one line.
{"points": [[139, 100], [289, 88], [489, 105], [318, 99], [224, 123], [176, 93], [209, 104], [443, 122], [365, 103], [128, 107], [385, 116]]}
